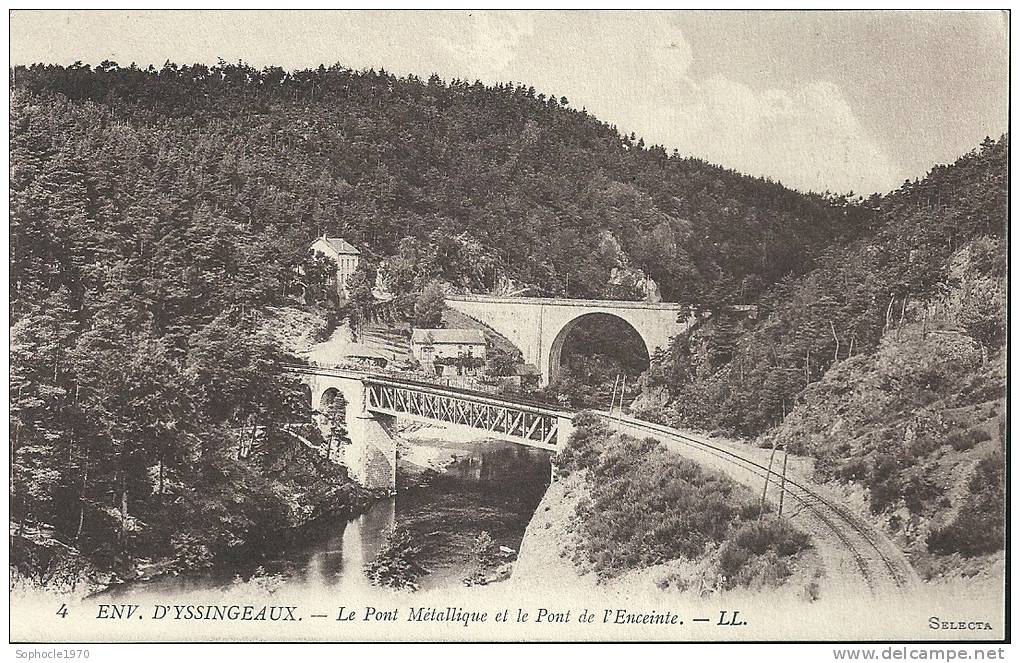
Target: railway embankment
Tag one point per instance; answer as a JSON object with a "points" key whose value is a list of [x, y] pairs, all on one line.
{"points": [[734, 549]]}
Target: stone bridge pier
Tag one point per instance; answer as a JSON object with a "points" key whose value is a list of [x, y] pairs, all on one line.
{"points": [[371, 456]]}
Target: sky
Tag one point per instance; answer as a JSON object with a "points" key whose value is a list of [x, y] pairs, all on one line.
{"points": [[834, 101]]}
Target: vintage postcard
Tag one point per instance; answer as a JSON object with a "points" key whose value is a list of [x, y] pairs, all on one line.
{"points": [[509, 326]]}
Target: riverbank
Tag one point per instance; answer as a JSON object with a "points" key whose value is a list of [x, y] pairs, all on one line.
{"points": [[450, 492], [455, 490], [302, 491]]}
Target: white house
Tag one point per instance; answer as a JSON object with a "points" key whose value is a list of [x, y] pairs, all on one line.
{"points": [[344, 254], [449, 350]]}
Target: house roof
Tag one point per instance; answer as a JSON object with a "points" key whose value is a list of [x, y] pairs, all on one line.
{"points": [[340, 245], [458, 336]]}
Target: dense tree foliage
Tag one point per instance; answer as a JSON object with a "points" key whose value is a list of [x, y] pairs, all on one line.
{"points": [[752, 372], [428, 307], [471, 184], [155, 213], [397, 565], [602, 358]]}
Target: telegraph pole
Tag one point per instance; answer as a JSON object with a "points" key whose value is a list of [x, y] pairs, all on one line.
{"points": [[765, 490], [612, 399], [783, 493], [621, 397]]}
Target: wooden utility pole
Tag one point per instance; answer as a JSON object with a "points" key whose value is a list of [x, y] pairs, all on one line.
{"points": [[782, 494], [765, 490], [612, 399], [622, 388]]}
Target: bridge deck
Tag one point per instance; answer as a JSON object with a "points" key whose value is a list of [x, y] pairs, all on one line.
{"points": [[555, 301], [529, 423], [389, 379]]}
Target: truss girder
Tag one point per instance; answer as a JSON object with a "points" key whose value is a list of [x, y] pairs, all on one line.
{"points": [[504, 421]]}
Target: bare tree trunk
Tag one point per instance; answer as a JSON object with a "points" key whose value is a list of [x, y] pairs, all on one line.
{"points": [[835, 357], [782, 490], [81, 496], [123, 507], [903, 316], [240, 439], [888, 314], [254, 434]]}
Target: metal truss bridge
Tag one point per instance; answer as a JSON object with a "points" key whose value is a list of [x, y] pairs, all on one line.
{"points": [[518, 421]]}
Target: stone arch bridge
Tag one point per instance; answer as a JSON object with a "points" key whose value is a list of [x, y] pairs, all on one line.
{"points": [[538, 326]]}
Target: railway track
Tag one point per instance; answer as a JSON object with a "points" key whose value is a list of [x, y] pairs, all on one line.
{"points": [[878, 568]]}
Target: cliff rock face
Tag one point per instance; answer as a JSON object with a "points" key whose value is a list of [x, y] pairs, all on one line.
{"points": [[902, 433], [624, 278]]}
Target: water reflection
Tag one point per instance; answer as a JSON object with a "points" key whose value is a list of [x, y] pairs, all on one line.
{"points": [[447, 494], [340, 559]]}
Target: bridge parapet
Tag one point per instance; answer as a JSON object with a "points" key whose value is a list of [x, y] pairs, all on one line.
{"points": [[579, 303]]}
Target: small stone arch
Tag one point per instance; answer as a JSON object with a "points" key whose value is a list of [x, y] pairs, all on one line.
{"points": [[556, 347], [307, 395], [326, 399]]}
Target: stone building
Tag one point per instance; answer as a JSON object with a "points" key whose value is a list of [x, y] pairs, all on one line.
{"points": [[449, 351], [344, 254]]}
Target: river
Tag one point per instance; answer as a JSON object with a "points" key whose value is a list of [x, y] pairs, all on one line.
{"points": [[447, 494]]}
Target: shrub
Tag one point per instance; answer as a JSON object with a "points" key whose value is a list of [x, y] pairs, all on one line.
{"points": [[980, 389], [486, 551], [983, 312], [487, 557], [732, 558], [964, 440], [767, 570], [917, 489], [777, 535], [812, 591], [755, 555], [853, 469], [978, 528], [883, 482], [397, 563], [924, 444], [590, 436]]}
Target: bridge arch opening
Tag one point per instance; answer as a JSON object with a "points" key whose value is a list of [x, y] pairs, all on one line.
{"points": [[326, 399], [592, 349]]}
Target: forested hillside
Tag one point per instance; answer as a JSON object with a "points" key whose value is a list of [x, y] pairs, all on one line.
{"points": [[156, 213], [472, 184], [747, 374], [886, 364]]}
